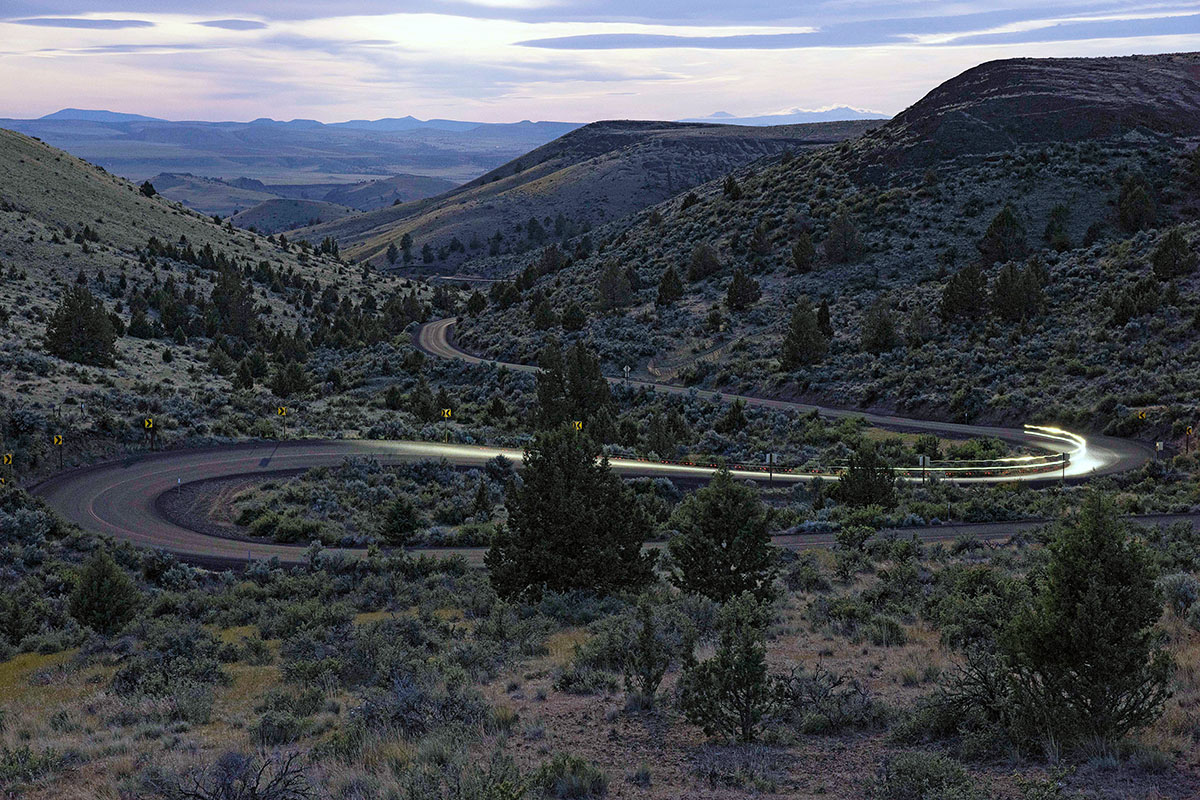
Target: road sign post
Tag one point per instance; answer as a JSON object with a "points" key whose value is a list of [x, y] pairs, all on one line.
{"points": [[57, 441], [282, 412], [1187, 439], [772, 460]]}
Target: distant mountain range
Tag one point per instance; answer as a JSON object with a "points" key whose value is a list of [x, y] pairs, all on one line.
{"points": [[796, 116], [292, 152]]}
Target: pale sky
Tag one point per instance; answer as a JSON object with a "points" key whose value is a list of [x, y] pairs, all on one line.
{"points": [[507, 60]]}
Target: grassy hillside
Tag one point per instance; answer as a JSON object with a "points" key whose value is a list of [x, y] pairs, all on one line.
{"points": [[891, 217], [384, 192], [280, 214], [65, 223], [208, 195], [599, 173]]}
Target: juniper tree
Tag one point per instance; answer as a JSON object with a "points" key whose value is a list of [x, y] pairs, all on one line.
{"points": [[722, 547], [573, 317], [393, 253], [570, 385], [572, 525], [613, 289], [80, 329], [879, 333], [1172, 256], [965, 294], [1135, 204], [803, 252], [804, 342], [105, 598], [1085, 656], [731, 189], [743, 291], [843, 244], [1017, 293], [704, 263], [670, 288], [824, 321], [1004, 239], [729, 694], [868, 479]]}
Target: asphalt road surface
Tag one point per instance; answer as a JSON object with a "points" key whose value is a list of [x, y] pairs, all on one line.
{"points": [[125, 499]]}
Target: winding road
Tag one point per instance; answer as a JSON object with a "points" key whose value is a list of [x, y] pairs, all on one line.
{"points": [[130, 499]]}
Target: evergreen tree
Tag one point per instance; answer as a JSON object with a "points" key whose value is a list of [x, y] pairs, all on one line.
{"points": [[965, 294], [743, 291], [105, 598], [1017, 293], [544, 317], [704, 263], [843, 245], [421, 403], [733, 420], [804, 342], [232, 300], [1172, 257], [573, 317], [426, 254], [476, 303], [868, 480], [723, 546], [147, 189], [393, 253], [80, 329], [1135, 204], [572, 525], [731, 189], [824, 321], [803, 252], [290, 379], [1056, 235], [1004, 239], [613, 289], [670, 288], [648, 659], [406, 246], [401, 521], [879, 328], [729, 694], [570, 386], [1086, 658], [243, 379]]}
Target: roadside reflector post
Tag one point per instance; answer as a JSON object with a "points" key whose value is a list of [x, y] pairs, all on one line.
{"points": [[772, 460]]}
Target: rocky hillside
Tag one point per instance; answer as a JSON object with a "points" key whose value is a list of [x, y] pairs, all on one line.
{"points": [[1082, 191], [599, 173], [1001, 105]]}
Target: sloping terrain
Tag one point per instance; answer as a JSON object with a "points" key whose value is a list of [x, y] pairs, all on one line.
{"points": [[1004, 104], [64, 220], [281, 214], [601, 172], [892, 216], [208, 195], [370, 195]]}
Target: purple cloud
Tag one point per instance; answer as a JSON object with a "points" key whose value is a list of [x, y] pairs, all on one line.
{"points": [[234, 24], [77, 22]]}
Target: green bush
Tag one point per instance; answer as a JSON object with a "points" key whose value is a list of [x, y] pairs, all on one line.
{"points": [[569, 777], [923, 776]]}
